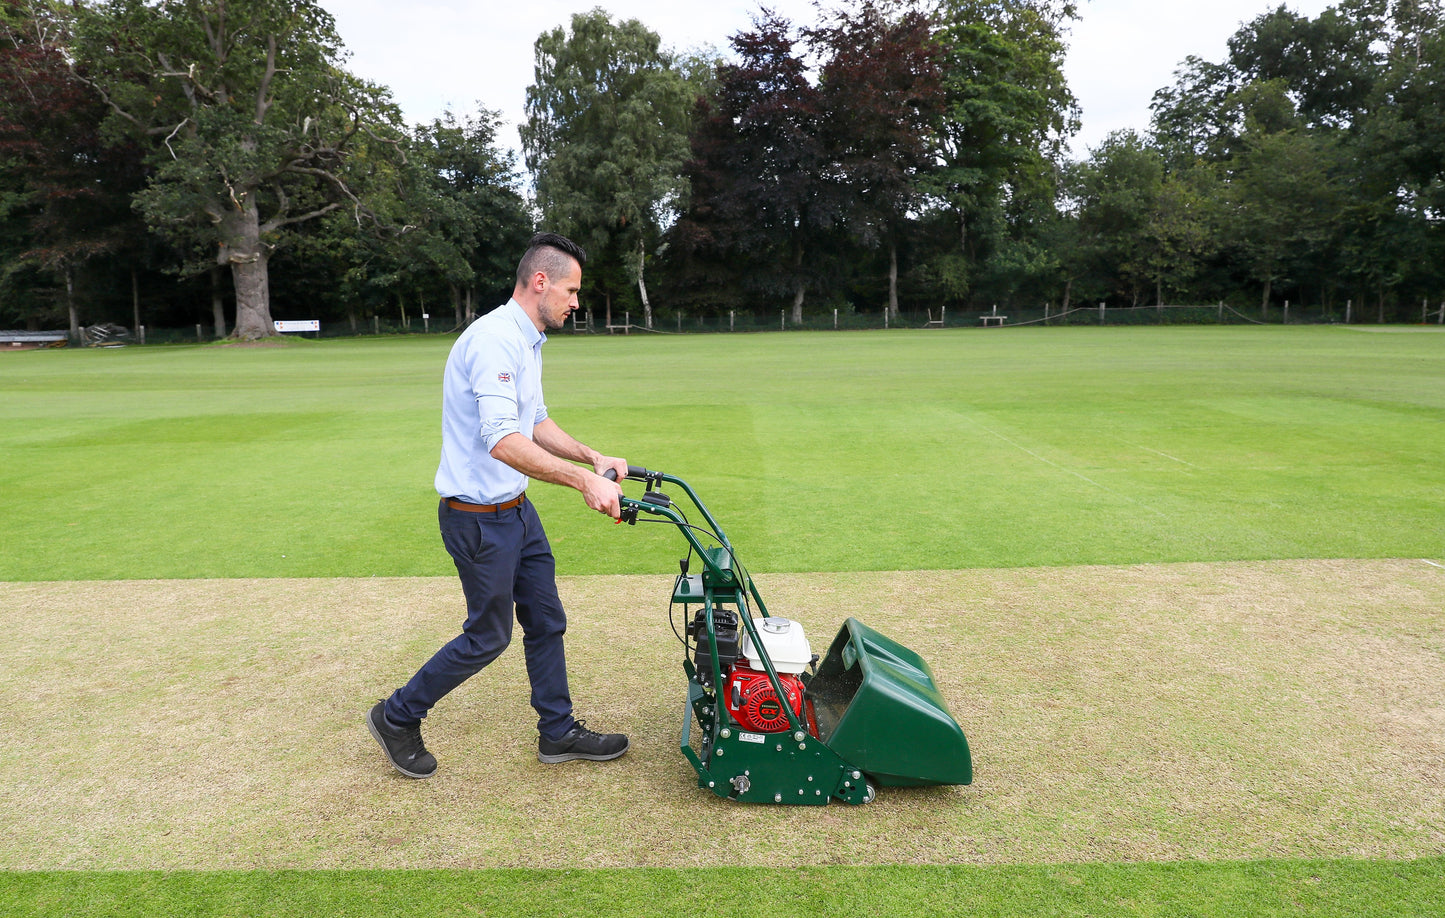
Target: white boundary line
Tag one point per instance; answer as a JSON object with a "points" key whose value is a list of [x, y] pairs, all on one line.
{"points": [[1433, 564], [1158, 453]]}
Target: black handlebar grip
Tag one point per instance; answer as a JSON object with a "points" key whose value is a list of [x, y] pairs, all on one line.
{"points": [[633, 471]]}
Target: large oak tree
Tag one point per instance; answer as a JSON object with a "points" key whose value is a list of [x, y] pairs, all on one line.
{"points": [[252, 123]]}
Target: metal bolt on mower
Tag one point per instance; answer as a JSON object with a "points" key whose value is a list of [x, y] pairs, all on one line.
{"points": [[773, 724]]}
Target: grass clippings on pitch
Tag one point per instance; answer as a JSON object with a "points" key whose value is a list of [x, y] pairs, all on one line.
{"points": [[1161, 712]]}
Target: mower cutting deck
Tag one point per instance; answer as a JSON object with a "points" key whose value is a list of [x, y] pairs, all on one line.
{"points": [[774, 725]]}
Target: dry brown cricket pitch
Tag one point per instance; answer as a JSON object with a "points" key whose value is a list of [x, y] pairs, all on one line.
{"points": [[1157, 712]]}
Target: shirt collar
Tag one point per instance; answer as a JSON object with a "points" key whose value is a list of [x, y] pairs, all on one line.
{"points": [[524, 323]]}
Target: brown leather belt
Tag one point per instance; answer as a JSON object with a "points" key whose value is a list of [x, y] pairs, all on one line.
{"points": [[486, 508]]}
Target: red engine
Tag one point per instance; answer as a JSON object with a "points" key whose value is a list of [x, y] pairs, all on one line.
{"points": [[754, 704]]}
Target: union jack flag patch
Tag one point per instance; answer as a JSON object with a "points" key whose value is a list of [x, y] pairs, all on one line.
{"points": [[504, 377]]}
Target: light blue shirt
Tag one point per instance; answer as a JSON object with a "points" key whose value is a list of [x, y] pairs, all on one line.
{"points": [[492, 387]]}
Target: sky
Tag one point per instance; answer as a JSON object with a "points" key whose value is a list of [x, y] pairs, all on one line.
{"points": [[437, 55]]}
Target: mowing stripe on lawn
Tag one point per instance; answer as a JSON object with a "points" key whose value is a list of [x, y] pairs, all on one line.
{"points": [[817, 452]]}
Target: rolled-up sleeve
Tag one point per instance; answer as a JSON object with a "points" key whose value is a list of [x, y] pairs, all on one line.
{"points": [[499, 419], [495, 389]]}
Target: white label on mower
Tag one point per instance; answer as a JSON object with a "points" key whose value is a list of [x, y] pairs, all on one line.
{"points": [[752, 737]]}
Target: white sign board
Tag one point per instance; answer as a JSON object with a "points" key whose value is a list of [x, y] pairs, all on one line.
{"points": [[297, 325]]}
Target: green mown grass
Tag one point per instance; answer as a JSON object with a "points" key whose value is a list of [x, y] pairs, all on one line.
{"points": [[1347, 889], [816, 451]]}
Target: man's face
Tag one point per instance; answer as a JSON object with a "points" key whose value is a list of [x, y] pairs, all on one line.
{"points": [[559, 300]]}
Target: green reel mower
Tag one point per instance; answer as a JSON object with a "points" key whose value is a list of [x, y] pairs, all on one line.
{"points": [[765, 721]]}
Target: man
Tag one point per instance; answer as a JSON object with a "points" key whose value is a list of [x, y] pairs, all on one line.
{"points": [[495, 436]]}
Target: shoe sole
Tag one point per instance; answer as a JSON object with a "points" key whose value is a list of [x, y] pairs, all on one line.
{"points": [[376, 734], [555, 758]]}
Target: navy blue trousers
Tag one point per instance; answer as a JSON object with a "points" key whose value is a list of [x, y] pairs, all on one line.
{"points": [[505, 564]]}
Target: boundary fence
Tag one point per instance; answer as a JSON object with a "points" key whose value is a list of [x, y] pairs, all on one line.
{"points": [[999, 316]]}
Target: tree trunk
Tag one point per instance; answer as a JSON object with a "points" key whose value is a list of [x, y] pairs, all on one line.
{"points": [[893, 279], [253, 299], [800, 290], [243, 250], [218, 305], [457, 306], [70, 305], [1068, 291], [135, 301], [1264, 300], [642, 286]]}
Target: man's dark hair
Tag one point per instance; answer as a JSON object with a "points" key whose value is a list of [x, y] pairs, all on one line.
{"points": [[550, 253]]}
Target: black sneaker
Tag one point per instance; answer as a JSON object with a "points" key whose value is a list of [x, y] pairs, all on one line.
{"points": [[402, 745], [581, 743]]}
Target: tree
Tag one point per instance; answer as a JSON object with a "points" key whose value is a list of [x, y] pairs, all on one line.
{"points": [[1182, 231], [1282, 201], [480, 211], [1394, 192], [1307, 124], [1329, 64], [72, 188], [880, 95], [1115, 195], [1008, 112], [252, 124], [606, 136], [1322, 72], [763, 194]]}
